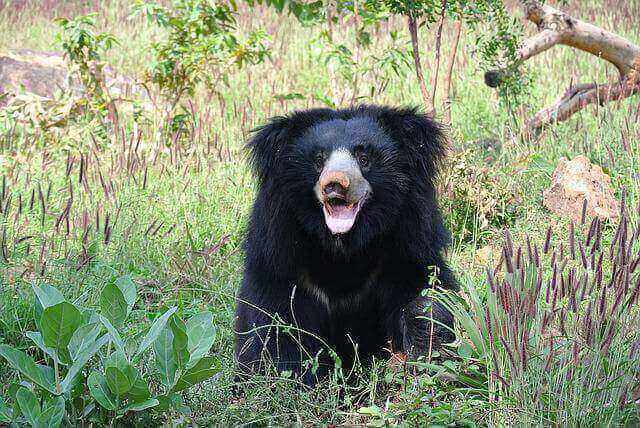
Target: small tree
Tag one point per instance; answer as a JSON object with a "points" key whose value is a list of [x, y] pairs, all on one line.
{"points": [[84, 49], [200, 46]]}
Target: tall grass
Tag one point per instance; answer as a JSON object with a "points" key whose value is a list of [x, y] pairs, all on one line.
{"points": [[556, 327]]}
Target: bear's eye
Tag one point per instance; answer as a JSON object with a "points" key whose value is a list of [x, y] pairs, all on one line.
{"points": [[363, 159], [318, 161]]}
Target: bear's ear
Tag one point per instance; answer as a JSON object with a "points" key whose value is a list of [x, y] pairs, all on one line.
{"points": [[266, 144], [269, 143], [421, 136]]}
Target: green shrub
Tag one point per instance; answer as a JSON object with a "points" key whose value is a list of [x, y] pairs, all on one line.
{"points": [[93, 373], [477, 198], [84, 49], [200, 46]]}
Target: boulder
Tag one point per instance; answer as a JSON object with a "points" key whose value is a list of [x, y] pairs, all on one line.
{"points": [[578, 180], [45, 73], [40, 73]]}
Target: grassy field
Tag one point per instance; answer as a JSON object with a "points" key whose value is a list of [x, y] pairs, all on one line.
{"points": [[81, 206]]}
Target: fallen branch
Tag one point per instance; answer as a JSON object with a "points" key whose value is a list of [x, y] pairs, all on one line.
{"points": [[578, 97], [558, 28]]}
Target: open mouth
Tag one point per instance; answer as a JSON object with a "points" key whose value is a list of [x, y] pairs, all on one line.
{"points": [[339, 214]]}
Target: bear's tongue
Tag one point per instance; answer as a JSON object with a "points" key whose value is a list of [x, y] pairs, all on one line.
{"points": [[340, 216]]}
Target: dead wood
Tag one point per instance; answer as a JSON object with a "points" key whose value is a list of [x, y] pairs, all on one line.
{"points": [[558, 28]]}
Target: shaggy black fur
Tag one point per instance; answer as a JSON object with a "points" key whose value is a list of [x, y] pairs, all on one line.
{"points": [[360, 289]]}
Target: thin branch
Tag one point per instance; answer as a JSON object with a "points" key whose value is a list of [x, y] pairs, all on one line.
{"points": [[413, 31], [447, 76], [434, 85]]}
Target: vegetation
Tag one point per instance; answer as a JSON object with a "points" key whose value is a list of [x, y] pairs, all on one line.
{"points": [[121, 227]]}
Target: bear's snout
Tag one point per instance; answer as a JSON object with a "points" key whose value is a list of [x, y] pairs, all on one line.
{"points": [[341, 190], [335, 184]]}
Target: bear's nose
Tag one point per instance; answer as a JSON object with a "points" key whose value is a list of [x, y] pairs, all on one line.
{"points": [[335, 183], [334, 189]]}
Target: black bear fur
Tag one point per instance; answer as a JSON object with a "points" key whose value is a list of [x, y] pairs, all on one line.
{"points": [[359, 290]]}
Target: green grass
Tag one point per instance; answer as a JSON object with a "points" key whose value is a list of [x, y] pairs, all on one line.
{"points": [[165, 233]]}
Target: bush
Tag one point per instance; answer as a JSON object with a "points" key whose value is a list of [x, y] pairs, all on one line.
{"points": [[477, 198], [200, 46], [93, 373]]}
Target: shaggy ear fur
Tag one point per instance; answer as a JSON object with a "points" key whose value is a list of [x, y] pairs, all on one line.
{"points": [[421, 136], [269, 141]]}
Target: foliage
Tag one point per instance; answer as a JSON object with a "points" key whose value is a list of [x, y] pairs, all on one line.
{"points": [[497, 32], [498, 51], [84, 48], [85, 382], [200, 46], [381, 68], [477, 198]]}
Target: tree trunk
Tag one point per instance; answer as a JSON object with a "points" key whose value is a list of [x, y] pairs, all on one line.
{"points": [[434, 84]]}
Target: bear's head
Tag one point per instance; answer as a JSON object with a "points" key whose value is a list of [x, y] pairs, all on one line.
{"points": [[349, 175]]}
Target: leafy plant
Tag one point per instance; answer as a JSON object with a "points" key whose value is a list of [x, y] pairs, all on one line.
{"points": [[354, 68], [200, 47], [72, 338], [84, 48], [496, 43], [478, 198]]}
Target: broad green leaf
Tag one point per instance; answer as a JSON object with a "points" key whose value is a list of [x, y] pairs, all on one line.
{"points": [[140, 406], [48, 373], [29, 405], [113, 333], [201, 333], [118, 360], [5, 412], [180, 341], [117, 371], [48, 295], [155, 330], [113, 304], [58, 323], [99, 390], [25, 365], [117, 381], [165, 358], [81, 361], [52, 413], [139, 391], [129, 291], [36, 338], [83, 338], [202, 370], [169, 401]]}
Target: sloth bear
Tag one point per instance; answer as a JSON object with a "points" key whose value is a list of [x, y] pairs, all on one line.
{"points": [[344, 234]]}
